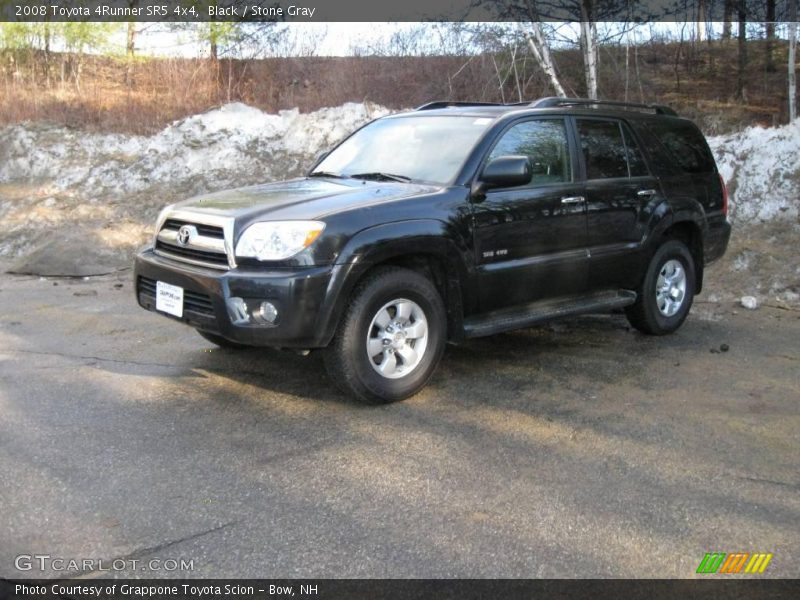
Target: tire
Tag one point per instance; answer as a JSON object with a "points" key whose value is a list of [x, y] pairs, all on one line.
{"points": [[397, 313], [221, 341], [665, 295]]}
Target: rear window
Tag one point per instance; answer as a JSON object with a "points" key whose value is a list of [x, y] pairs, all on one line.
{"points": [[685, 144]]}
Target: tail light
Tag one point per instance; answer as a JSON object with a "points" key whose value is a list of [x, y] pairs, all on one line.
{"points": [[724, 196]]}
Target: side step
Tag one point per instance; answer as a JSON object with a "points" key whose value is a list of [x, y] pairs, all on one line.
{"points": [[526, 315]]}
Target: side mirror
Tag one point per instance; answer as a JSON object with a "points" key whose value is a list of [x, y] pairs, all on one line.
{"points": [[503, 171]]}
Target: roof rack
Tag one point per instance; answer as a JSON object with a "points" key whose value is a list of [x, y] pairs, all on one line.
{"points": [[553, 101], [447, 104]]}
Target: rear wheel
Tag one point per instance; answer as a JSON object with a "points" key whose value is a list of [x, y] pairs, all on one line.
{"points": [[667, 291], [390, 339], [221, 341]]}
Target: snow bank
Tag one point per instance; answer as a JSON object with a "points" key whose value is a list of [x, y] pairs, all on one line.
{"points": [[231, 145], [762, 170]]}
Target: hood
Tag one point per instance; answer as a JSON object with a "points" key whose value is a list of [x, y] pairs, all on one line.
{"points": [[299, 199]]}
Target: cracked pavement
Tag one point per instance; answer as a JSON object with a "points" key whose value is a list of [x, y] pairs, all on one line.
{"points": [[578, 449]]}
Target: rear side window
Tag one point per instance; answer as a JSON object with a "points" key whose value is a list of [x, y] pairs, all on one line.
{"points": [[685, 144], [635, 160], [545, 143], [603, 149]]}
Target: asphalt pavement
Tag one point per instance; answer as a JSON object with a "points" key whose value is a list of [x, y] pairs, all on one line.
{"points": [[578, 449]]}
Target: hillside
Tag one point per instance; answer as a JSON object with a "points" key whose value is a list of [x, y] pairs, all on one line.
{"points": [[109, 94]]}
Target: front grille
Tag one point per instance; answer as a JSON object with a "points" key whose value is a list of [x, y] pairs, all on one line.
{"points": [[146, 287], [204, 246], [192, 254], [195, 302], [211, 231]]}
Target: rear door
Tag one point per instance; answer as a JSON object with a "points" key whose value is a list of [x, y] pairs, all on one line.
{"points": [[530, 240], [620, 190], [687, 150]]}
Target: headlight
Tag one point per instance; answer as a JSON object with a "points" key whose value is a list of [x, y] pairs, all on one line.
{"points": [[277, 240]]}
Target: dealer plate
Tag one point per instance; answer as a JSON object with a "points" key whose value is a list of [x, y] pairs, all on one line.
{"points": [[169, 298]]}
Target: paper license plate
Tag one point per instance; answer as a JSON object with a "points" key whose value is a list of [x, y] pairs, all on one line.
{"points": [[169, 298]]}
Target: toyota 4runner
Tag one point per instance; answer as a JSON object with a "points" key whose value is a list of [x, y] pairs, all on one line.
{"points": [[452, 221]]}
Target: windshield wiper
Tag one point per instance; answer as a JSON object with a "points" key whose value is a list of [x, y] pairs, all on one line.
{"points": [[378, 176], [327, 174]]}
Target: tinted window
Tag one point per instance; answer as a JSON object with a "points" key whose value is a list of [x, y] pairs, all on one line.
{"points": [[685, 144], [635, 161], [424, 148], [603, 149], [545, 143]]}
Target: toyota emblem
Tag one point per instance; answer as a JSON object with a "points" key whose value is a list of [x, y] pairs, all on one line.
{"points": [[186, 234]]}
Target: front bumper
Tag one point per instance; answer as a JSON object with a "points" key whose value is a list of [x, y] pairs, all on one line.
{"points": [[299, 295]]}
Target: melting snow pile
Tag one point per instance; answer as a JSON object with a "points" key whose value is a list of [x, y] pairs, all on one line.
{"points": [[233, 145], [762, 169], [76, 203]]}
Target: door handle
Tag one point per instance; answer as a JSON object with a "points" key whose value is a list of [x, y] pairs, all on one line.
{"points": [[572, 199], [646, 193]]}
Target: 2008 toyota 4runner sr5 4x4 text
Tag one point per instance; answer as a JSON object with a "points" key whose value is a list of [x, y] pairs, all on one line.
{"points": [[452, 221]]}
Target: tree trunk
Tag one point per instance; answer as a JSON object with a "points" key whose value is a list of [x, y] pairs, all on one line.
{"points": [[47, 36], [131, 44], [701, 20], [627, 65], [726, 19], [589, 47], [130, 49], [541, 52], [792, 59], [740, 76], [638, 75], [770, 35]]}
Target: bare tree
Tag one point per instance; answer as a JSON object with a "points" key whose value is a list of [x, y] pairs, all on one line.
{"points": [[701, 20], [130, 46], [770, 35], [741, 10], [589, 47], [541, 52], [792, 59], [727, 12]]}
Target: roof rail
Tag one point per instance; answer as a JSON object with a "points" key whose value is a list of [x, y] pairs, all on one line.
{"points": [[447, 103], [553, 101]]}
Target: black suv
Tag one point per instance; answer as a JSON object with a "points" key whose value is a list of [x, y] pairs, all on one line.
{"points": [[452, 221]]}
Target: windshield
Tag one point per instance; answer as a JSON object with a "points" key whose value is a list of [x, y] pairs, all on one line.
{"points": [[419, 148]]}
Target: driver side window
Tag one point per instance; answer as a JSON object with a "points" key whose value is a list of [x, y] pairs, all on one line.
{"points": [[544, 142]]}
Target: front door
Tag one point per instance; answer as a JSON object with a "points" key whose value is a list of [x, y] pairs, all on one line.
{"points": [[530, 241]]}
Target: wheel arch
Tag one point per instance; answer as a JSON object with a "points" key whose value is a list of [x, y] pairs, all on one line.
{"points": [[684, 220], [690, 234], [422, 245]]}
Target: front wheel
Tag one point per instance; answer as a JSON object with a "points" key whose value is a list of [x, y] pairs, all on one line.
{"points": [[667, 291], [390, 339]]}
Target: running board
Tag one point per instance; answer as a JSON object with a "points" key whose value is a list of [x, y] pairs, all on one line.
{"points": [[526, 315]]}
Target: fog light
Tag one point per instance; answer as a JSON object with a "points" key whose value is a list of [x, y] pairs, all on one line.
{"points": [[237, 311], [267, 312]]}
